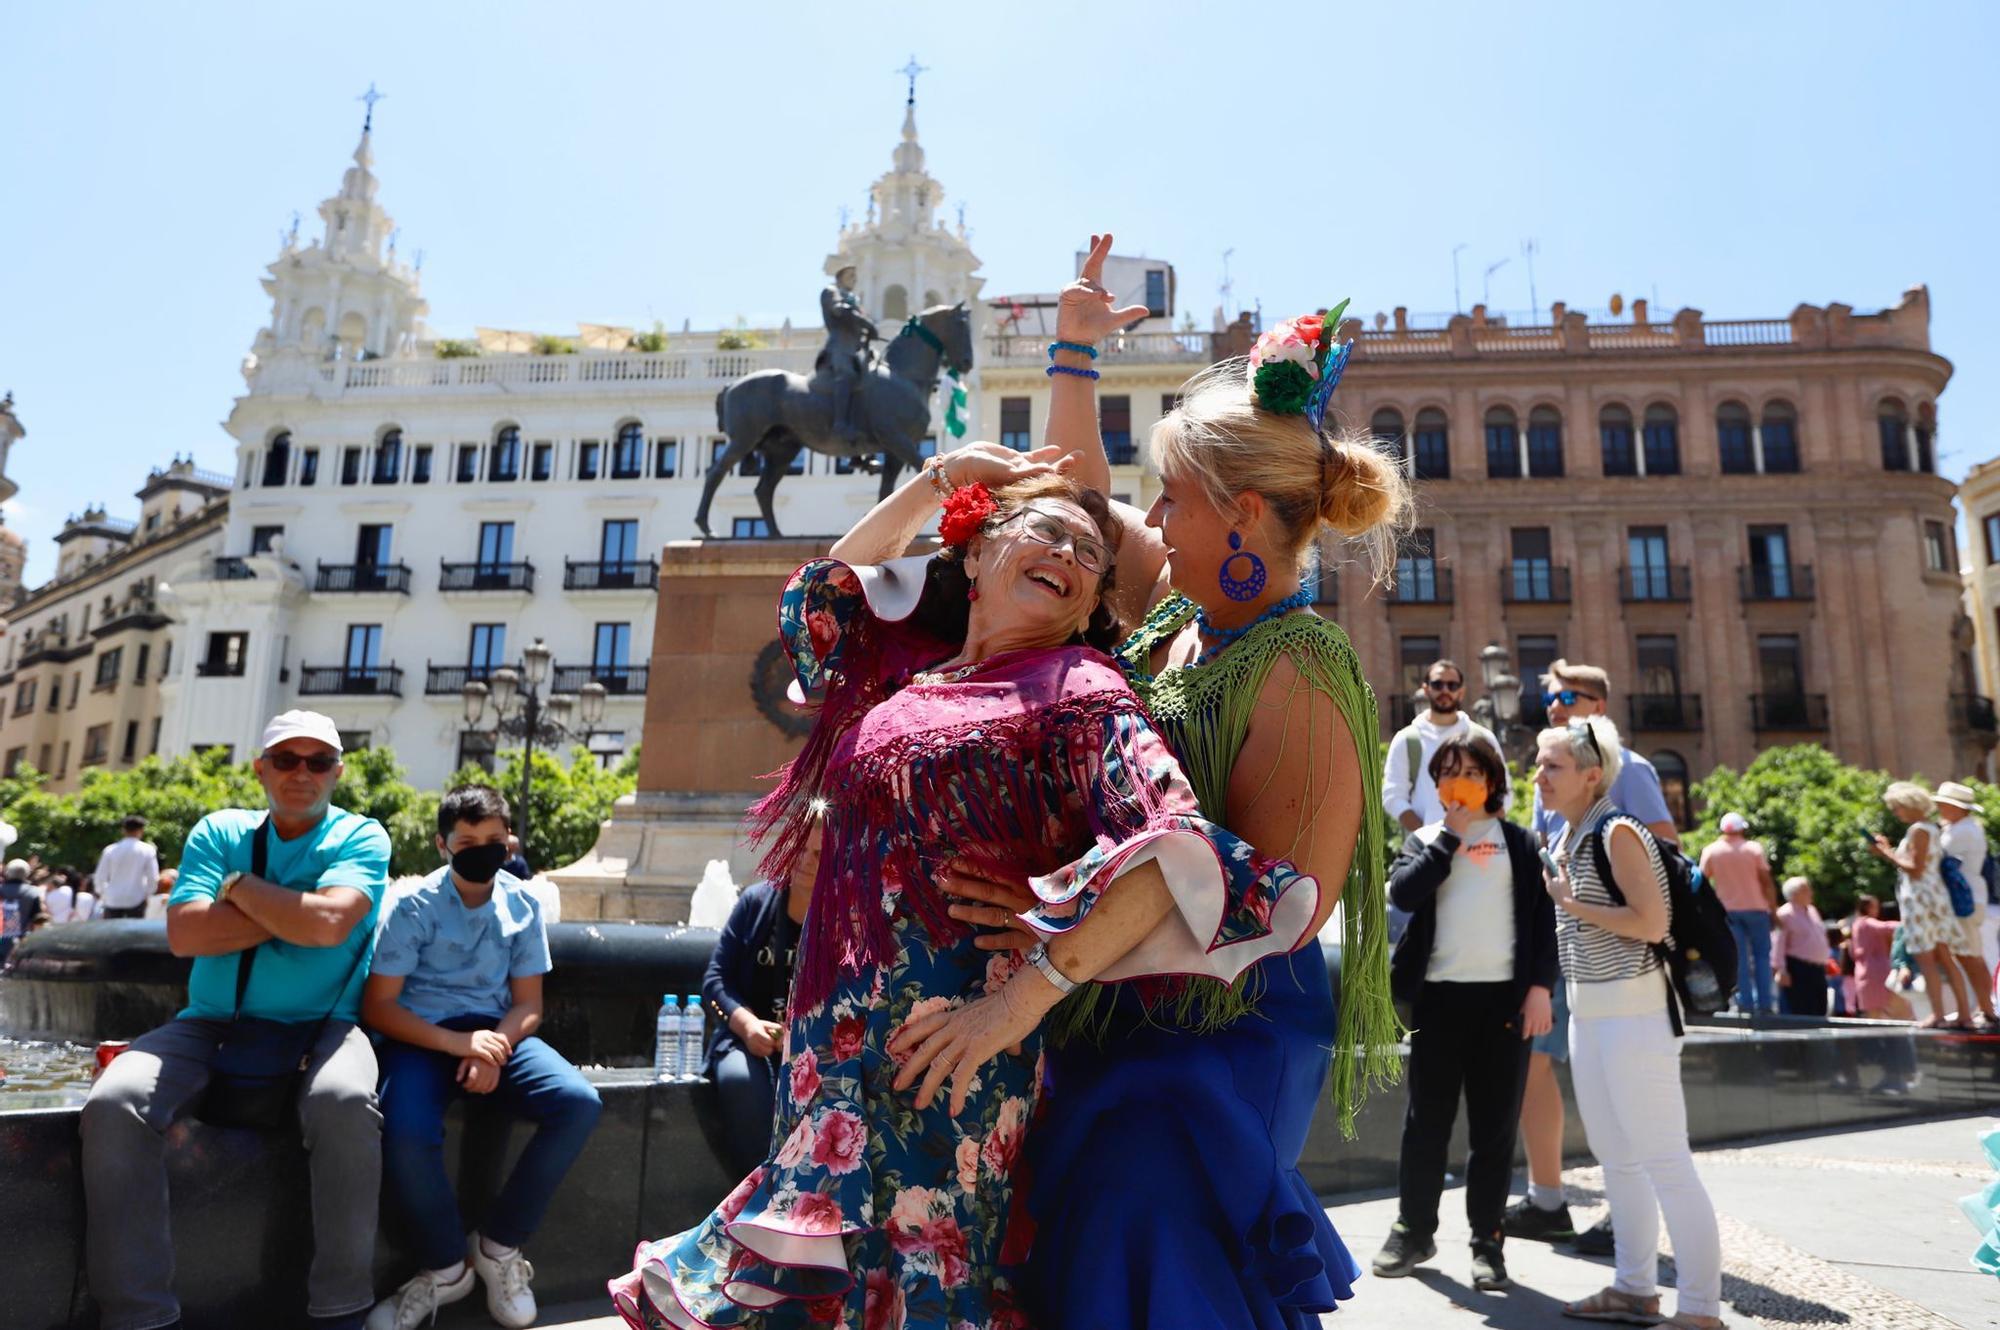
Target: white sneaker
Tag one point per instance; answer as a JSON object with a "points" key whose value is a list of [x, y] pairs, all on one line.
{"points": [[416, 1303], [508, 1297]]}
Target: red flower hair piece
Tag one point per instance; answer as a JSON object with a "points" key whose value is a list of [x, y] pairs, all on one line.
{"points": [[965, 512]]}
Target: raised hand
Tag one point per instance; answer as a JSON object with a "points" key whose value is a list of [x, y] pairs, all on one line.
{"points": [[992, 465], [1085, 312]]}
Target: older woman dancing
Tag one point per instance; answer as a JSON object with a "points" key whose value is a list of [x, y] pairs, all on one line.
{"points": [[1166, 1187], [964, 715]]}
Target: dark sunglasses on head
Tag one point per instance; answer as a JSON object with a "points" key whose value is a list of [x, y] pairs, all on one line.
{"points": [[1567, 696], [1582, 727], [1445, 685], [319, 763]]}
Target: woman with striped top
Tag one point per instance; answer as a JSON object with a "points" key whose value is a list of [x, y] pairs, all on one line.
{"points": [[1625, 1058]]}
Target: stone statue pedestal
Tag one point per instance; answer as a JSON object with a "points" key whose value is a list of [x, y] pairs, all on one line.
{"points": [[708, 737]]}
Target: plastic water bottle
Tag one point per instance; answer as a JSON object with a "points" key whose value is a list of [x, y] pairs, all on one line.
{"points": [[667, 1041], [691, 1038]]}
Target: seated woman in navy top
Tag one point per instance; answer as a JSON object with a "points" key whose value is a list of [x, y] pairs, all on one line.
{"points": [[744, 992]]}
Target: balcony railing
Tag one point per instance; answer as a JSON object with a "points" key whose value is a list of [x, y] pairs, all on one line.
{"points": [[1420, 584], [1666, 711], [441, 680], [1135, 347], [611, 575], [487, 576], [1534, 582], [1776, 581], [362, 577], [219, 669], [232, 568], [1656, 582], [350, 681], [617, 679], [1971, 711], [1796, 712], [134, 613], [1121, 451]]}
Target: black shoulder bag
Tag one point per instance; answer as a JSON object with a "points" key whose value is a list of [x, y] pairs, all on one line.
{"points": [[260, 1066]]}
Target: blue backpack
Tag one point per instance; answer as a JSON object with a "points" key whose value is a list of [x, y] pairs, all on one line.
{"points": [[1990, 870]]}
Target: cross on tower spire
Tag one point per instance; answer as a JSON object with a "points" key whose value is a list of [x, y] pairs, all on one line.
{"points": [[371, 97], [910, 71]]}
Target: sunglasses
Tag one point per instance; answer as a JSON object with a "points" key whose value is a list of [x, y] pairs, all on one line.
{"points": [[1567, 696], [1582, 727], [1444, 685], [1047, 529], [319, 763]]}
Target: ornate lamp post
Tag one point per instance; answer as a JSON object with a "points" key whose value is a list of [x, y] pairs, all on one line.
{"points": [[1500, 709], [520, 713]]}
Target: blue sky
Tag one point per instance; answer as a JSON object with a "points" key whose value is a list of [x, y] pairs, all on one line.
{"points": [[625, 163]]}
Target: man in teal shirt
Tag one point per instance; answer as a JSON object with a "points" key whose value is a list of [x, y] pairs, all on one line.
{"points": [[310, 918]]}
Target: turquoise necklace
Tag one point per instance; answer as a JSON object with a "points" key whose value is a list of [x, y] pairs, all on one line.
{"points": [[1228, 637]]}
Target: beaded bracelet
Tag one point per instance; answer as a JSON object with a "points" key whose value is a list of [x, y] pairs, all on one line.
{"points": [[1054, 370], [1081, 348], [940, 482]]}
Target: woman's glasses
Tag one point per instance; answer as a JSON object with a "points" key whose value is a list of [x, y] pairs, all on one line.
{"points": [[1568, 697], [319, 763], [1047, 529]]}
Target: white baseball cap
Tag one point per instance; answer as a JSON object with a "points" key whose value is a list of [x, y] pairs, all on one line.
{"points": [[1958, 796], [1735, 824], [300, 725], [17, 870]]}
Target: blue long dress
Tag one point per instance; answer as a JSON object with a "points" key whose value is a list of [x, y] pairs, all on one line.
{"points": [[1163, 1167]]}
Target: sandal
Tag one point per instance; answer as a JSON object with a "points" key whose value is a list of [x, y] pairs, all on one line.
{"points": [[1610, 1304]]}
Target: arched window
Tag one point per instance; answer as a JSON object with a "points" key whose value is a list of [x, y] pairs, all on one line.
{"points": [[895, 303], [1503, 444], [353, 335], [1926, 433], [1732, 439], [628, 454], [1780, 428], [277, 460], [1614, 433], [388, 458], [1673, 770], [1892, 422], [1662, 439], [1545, 442], [504, 462], [1430, 446], [932, 300], [1386, 426]]}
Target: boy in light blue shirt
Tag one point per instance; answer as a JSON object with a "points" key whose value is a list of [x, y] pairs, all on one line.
{"points": [[457, 991]]}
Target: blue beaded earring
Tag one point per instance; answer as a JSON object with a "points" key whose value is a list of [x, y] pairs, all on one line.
{"points": [[1242, 588]]}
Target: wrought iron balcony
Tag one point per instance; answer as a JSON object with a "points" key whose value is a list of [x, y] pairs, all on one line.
{"points": [[350, 681], [363, 577], [1665, 583], [1776, 581], [1119, 450], [487, 576], [611, 575], [219, 669], [1971, 711], [1665, 711], [232, 568], [440, 680], [1795, 712], [1419, 583], [1534, 582], [618, 680]]}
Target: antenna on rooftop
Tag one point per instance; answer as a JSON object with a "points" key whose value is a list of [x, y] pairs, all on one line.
{"points": [[1486, 288], [1457, 302], [1529, 248], [1227, 287]]}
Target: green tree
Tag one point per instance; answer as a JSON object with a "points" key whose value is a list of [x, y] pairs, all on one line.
{"points": [[565, 804], [373, 784], [172, 795], [1812, 812]]}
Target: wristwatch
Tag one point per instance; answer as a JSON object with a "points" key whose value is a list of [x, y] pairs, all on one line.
{"points": [[1039, 958], [229, 880]]}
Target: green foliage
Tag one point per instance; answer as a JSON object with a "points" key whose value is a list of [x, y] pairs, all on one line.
{"points": [[372, 783], [1809, 809], [565, 805], [652, 342], [454, 348], [171, 795], [547, 344], [740, 338]]}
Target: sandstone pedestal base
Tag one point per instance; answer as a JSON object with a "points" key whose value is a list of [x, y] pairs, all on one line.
{"points": [[651, 854]]}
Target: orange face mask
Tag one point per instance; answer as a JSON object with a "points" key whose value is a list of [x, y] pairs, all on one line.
{"points": [[1462, 792]]}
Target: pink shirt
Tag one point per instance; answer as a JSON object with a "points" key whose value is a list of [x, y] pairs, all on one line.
{"points": [[1802, 936], [1736, 866]]}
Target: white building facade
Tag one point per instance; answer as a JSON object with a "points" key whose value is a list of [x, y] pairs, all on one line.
{"points": [[409, 514]]}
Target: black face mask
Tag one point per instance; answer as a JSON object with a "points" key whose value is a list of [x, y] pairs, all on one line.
{"points": [[479, 863]]}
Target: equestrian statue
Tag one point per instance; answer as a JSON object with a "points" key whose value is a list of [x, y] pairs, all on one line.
{"points": [[855, 404]]}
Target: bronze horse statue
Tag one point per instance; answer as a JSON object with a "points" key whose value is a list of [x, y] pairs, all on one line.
{"points": [[775, 413]]}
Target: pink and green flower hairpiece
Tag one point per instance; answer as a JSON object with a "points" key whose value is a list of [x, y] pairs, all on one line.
{"points": [[1295, 366]]}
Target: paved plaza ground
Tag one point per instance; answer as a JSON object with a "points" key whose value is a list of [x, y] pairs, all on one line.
{"points": [[1858, 1231]]}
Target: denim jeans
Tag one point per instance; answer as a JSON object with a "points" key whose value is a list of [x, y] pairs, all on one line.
{"points": [[1754, 983], [537, 1085], [746, 1086]]}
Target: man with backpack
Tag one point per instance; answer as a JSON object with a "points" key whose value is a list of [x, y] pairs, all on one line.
{"points": [[1409, 795], [278, 909]]}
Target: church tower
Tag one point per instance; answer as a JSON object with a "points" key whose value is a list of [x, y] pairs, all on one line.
{"points": [[905, 257], [344, 296]]}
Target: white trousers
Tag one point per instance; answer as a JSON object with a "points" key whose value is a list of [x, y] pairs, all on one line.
{"points": [[1627, 1074]]}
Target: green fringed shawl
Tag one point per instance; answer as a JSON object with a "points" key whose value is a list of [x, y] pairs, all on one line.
{"points": [[1204, 711]]}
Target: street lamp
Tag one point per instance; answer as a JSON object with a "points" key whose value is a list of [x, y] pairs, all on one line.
{"points": [[519, 712], [1500, 709]]}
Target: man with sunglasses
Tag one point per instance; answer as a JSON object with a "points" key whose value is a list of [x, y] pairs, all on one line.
{"points": [[1409, 795], [302, 908], [1572, 692]]}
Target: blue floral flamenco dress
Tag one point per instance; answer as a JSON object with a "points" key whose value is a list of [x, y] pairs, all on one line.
{"points": [[1162, 1169], [871, 1214]]}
